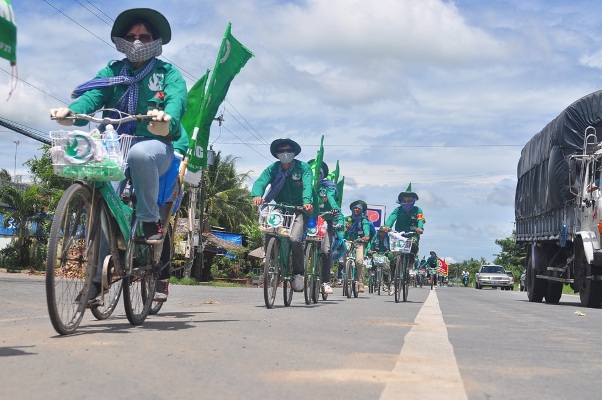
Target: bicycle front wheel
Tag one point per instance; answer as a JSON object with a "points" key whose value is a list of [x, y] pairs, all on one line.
{"points": [[379, 278], [349, 278], [139, 285], [308, 262], [398, 279], [271, 272], [72, 252], [406, 277]]}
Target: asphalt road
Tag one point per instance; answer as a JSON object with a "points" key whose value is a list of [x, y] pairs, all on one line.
{"points": [[222, 343]]}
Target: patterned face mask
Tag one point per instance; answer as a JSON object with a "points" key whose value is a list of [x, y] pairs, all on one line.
{"points": [[286, 158], [137, 51]]}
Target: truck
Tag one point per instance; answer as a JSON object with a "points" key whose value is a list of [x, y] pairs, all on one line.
{"points": [[558, 210]]}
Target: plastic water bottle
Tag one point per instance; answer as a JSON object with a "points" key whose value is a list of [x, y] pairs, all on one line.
{"points": [[112, 144]]}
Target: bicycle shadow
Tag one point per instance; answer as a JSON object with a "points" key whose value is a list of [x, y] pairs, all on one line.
{"points": [[168, 321]]}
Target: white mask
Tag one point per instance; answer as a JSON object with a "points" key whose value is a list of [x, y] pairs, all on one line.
{"points": [[286, 158]]}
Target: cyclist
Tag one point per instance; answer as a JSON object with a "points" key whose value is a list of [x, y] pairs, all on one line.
{"points": [[290, 182], [407, 218], [358, 227], [139, 84], [328, 195], [380, 245], [465, 276], [431, 264]]}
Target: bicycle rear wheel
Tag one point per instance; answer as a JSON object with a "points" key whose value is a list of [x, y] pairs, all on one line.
{"points": [[271, 272], [287, 286], [139, 285], [164, 267], [72, 252], [379, 278], [392, 276], [112, 297]]}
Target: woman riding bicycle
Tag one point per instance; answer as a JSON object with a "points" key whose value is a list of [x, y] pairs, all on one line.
{"points": [[358, 227], [380, 245], [291, 182], [407, 218], [328, 195], [139, 84]]}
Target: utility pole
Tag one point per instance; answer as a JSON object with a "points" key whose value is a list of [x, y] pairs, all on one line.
{"points": [[16, 142]]}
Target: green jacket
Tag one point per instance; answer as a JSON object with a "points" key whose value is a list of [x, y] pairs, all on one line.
{"points": [[297, 189], [164, 78], [406, 221], [327, 201], [350, 235]]}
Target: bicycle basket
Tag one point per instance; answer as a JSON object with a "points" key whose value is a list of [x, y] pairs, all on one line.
{"points": [[275, 221], [400, 244], [316, 229], [82, 155]]}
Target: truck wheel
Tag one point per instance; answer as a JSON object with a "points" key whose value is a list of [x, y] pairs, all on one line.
{"points": [[590, 292], [536, 288], [554, 292]]}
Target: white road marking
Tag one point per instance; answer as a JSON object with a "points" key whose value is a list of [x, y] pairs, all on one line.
{"points": [[427, 359]]}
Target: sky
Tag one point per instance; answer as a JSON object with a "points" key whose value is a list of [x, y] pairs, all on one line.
{"points": [[439, 94]]}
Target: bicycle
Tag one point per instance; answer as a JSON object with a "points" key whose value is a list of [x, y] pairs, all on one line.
{"points": [[379, 261], [433, 276], [276, 221], [402, 246], [350, 278], [313, 260], [90, 215]]}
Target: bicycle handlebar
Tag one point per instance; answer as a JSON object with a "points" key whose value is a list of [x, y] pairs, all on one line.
{"points": [[107, 120]]}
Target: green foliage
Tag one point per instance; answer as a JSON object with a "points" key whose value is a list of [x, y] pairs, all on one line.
{"points": [[182, 281], [512, 257], [252, 232]]}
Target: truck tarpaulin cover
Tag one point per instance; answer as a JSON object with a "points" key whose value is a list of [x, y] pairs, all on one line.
{"points": [[543, 172]]}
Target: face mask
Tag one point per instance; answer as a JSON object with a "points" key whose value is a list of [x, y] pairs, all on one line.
{"points": [[286, 158], [138, 51]]}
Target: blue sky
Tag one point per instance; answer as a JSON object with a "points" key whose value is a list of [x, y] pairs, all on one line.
{"points": [[442, 94]]}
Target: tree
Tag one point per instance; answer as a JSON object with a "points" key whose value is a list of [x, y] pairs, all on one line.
{"points": [[5, 175], [24, 208], [512, 257], [226, 200]]}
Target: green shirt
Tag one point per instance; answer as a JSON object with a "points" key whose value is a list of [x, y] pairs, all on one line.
{"points": [[328, 201], [297, 189], [163, 78], [406, 222]]}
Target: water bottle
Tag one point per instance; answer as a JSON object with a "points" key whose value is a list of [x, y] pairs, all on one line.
{"points": [[112, 144]]}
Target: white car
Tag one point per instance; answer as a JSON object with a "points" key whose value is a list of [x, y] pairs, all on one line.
{"points": [[494, 276]]}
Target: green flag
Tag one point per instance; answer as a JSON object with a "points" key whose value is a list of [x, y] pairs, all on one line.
{"points": [[193, 103], [333, 176], [8, 32], [231, 59], [340, 186], [316, 164]]}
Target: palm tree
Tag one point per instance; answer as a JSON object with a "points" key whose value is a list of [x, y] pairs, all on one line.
{"points": [[226, 201], [5, 175], [23, 207]]}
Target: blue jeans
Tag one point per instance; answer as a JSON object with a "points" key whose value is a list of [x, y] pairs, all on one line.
{"points": [[147, 160]]}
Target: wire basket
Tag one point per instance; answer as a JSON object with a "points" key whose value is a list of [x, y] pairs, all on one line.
{"points": [[400, 244], [275, 221], [83, 155]]}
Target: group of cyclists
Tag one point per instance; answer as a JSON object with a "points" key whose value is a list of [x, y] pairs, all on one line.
{"points": [[289, 180]]}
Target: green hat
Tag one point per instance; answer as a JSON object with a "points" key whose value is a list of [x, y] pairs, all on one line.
{"points": [[154, 18], [281, 142], [358, 203], [324, 166], [407, 193], [381, 228]]}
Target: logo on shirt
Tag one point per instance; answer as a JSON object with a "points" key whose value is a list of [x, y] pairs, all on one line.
{"points": [[156, 82], [296, 176]]}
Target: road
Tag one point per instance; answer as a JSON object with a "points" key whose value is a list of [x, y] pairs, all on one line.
{"points": [[222, 343]]}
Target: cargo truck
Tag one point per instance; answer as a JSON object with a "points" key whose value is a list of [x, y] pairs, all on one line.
{"points": [[558, 205]]}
